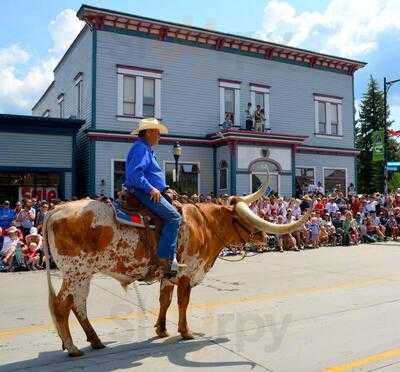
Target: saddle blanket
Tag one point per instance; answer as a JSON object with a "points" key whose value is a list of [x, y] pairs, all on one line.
{"points": [[129, 218]]}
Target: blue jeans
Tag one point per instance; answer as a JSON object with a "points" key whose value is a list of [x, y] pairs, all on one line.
{"points": [[171, 221]]}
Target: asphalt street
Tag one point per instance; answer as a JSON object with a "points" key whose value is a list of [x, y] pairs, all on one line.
{"points": [[330, 309]]}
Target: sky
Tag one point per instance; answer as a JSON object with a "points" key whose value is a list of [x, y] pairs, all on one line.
{"points": [[36, 33]]}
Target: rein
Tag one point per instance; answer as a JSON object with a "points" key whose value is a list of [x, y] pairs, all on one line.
{"points": [[244, 253]]}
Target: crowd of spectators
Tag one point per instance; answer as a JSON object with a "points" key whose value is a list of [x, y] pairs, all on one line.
{"points": [[336, 220], [20, 234]]}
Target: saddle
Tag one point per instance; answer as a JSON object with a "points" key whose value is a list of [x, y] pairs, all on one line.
{"points": [[130, 211]]}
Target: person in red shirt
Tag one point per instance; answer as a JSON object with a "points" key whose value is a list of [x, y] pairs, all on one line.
{"points": [[319, 207], [31, 256], [356, 205]]}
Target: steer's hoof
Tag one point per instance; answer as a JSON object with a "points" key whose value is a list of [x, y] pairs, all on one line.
{"points": [[97, 345], [75, 353], [162, 333], [187, 336]]}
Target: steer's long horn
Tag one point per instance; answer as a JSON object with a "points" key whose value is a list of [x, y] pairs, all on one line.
{"points": [[247, 214], [248, 199]]}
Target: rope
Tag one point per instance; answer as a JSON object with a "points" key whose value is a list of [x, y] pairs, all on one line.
{"points": [[241, 258], [243, 255], [139, 298]]}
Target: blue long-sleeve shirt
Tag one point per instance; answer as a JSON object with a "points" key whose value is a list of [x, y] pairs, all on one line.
{"points": [[142, 170], [7, 216]]}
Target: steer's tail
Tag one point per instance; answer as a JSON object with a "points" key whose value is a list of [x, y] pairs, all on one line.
{"points": [[52, 294]]}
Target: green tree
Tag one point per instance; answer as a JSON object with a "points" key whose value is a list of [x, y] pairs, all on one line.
{"points": [[370, 174], [394, 181]]}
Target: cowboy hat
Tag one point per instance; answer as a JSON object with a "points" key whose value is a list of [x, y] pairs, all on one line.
{"points": [[150, 123], [12, 230]]}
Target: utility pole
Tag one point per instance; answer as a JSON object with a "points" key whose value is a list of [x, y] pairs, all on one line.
{"points": [[386, 87]]}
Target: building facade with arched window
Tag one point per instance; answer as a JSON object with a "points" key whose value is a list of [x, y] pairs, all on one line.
{"points": [[124, 67]]}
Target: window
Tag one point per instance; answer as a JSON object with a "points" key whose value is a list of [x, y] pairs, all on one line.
{"points": [[129, 83], [79, 99], [322, 117], [139, 93], [60, 100], [118, 176], [334, 179], [259, 95], [259, 170], [304, 177], [230, 101], [334, 119], [188, 177], [148, 97], [259, 100], [78, 80], [223, 175], [328, 115]]}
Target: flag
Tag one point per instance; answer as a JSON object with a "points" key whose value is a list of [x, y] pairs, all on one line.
{"points": [[378, 145]]}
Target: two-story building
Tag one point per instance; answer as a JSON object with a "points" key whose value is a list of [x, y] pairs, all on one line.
{"points": [[124, 67]]}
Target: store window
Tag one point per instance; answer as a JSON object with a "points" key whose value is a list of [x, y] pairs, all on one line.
{"points": [[304, 178], [260, 170], [188, 180], [223, 175], [26, 185], [334, 179]]}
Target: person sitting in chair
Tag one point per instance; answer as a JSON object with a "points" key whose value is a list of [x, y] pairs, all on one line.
{"points": [[145, 179]]}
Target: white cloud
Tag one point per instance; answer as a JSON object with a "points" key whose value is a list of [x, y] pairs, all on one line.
{"points": [[347, 28], [63, 30], [394, 104], [18, 92]]}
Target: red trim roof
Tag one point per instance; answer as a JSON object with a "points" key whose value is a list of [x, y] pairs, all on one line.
{"points": [[99, 17]]}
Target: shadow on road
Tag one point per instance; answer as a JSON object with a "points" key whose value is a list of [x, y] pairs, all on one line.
{"points": [[128, 356]]}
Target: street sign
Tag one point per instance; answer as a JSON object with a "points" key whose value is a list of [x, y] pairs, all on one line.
{"points": [[393, 163]]}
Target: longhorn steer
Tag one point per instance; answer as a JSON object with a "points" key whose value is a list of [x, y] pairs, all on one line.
{"points": [[85, 239]]}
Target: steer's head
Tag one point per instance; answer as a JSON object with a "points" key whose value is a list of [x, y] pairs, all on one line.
{"points": [[248, 221]]}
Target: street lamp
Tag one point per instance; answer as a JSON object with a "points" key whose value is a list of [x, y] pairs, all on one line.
{"points": [[386, 86], [177, 151]]}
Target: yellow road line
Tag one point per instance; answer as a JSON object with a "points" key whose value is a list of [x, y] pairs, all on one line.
{"points": [[5, 333], [364, 361]]}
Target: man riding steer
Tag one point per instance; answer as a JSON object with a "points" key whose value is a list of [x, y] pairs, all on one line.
{"points": [[146, 181], [85, 237]]}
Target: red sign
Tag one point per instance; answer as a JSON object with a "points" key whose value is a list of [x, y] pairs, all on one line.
{"points": [[40, 193]]}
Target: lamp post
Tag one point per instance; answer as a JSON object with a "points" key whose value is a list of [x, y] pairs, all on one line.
{"points": [[386, 86], [177, 151]]}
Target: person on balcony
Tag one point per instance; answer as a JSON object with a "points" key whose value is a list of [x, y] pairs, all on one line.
{"points": [[249, 117], [228, 121], [258, 119], [265, 124]]}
